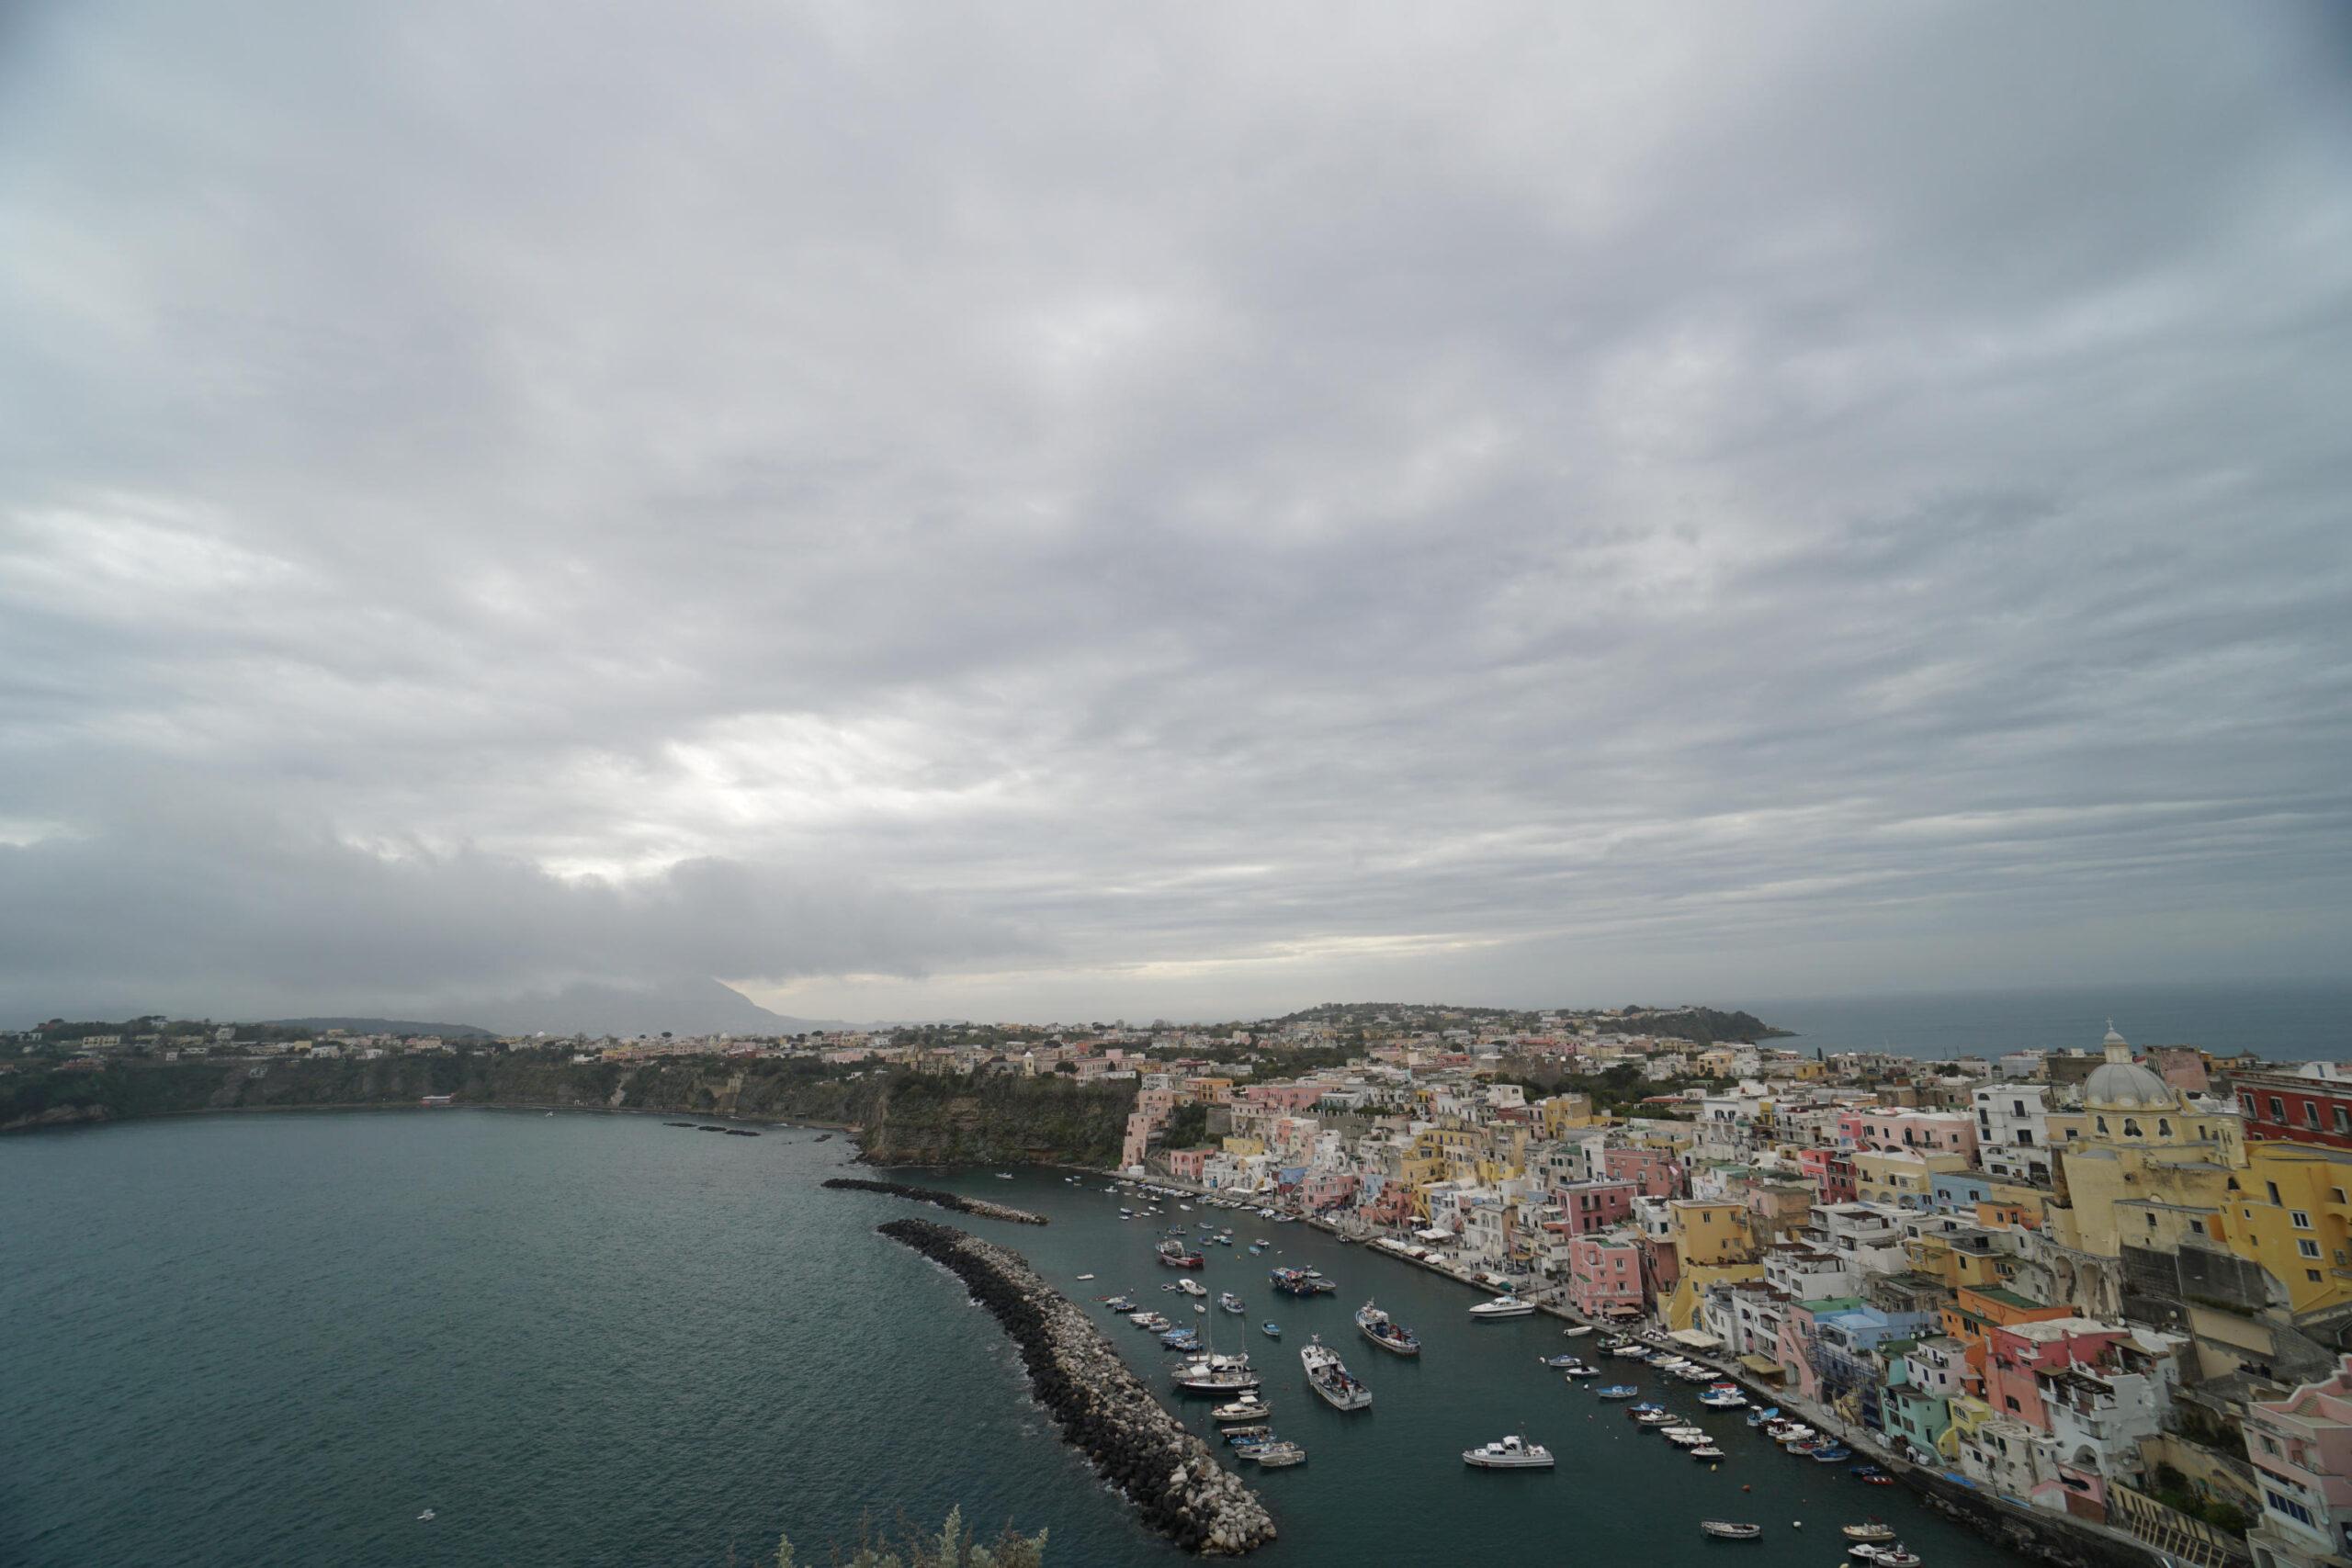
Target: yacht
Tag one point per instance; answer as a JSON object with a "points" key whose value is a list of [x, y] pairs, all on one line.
{"points": [[1509, 1453], [1386, 1332], [1502, 1306], [1216, 1375], [1329, 1376], [1248, 1408]]}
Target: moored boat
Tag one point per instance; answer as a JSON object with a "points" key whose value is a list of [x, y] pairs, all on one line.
{"points": [[1230, 1302], [1175, 1255], [1502, 1306], [1329, 1378], [1509, 1453], [1300, 1282], [1271, 1330], [1869, 1530], [1276, 1455], [1248, 1408], [1386, 1332], [1620, 1391], [1729, 1529]]}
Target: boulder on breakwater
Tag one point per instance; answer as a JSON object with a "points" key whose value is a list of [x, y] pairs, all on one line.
{"points": [[955, 1200], [1168, 1475]]}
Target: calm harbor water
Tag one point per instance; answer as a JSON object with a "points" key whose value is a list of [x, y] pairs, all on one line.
{"points": [[599, 1340]]}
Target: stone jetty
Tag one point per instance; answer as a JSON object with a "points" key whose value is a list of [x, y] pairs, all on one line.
{"points": [[955, 1200], [1170, 1475]]}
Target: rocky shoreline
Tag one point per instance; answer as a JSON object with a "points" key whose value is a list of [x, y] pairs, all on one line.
{"points": [[1168, 1475], [955, 1200]]}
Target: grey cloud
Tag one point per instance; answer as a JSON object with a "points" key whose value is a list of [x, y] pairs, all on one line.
{"points": [[1556, 499]]}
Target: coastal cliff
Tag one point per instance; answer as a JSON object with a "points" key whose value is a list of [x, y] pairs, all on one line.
{"points": [[899, 1118]]}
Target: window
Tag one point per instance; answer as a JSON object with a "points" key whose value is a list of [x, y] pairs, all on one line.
{"points": [[2312, 1275], [2102, 1123], [2197, 1227], [2299, 1220], [2130, 1127], [2012, 1402], [2307, 1246], [2278, 1109], [2336, 1193], [2343, 1117], [2025, 1137], [2017, 1106], [2272, 1188], [2163, 1128], [2310, 1114]]}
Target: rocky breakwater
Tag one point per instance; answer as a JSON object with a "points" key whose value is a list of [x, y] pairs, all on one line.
{"points": [[955, 1200], [1167, 1473]]}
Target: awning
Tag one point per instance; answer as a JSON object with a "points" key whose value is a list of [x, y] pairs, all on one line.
{"points": [[1695, 1339], [1760, 1367], [1433, 1234]]}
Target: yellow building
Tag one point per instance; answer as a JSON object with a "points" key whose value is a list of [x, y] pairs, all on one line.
{"points": [[2292, 1216], [1955, 1267], [1562, 1112], [1680, 1308], [1718, 1062], [1710, 1231], [1904, 1178], [1243, 1147], [2148, 1168]]}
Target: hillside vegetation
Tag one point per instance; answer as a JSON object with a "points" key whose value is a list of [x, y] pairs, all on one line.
{"points": [[901, 1118]]}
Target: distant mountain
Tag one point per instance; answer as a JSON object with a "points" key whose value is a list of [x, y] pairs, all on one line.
{"points": [[380, 1026], [689, 1005]]}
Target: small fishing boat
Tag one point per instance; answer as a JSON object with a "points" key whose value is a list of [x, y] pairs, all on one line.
{"points": [[1271, 1330], [1707, 1451], [1559, 1363], [1247, 1436], [1727, 1529], [1085, 1276], [1869, 1529], [1386, 1332], [1502, 1306], [1300, 1282], [425, 1515], [1192, 1287], [1230, 1302], [1894, 1554], [1656, 1417], [1577, 1331], [1836, 1453], [1580, 1370], [1509, 1453], [1758, 1418], [1004, 1176], [1252, 1408], [1329, 1378], [1175, 1255], [1277, 1455], [1724, 1398], [1119, 1303], [1682, 1437], [1620, 1391]]}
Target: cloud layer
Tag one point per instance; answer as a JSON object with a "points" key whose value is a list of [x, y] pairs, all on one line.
{"points": [[1051, 511]]}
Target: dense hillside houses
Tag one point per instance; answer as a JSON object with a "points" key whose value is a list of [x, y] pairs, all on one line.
{"points": [[2110, 1284]]}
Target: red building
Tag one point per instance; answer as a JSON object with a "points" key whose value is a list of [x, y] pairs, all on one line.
{"points": [[2301, 1106]]}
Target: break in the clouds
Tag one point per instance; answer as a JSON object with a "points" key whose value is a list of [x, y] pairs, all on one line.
{"points": [[1194, 510]]}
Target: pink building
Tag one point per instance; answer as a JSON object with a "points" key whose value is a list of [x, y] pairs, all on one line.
{"points": [[1605, 1275], [1281, 1096], [1914, 1131], [2302, 1448], [1831, 1171], [1654, 1173], [1330, 1190], [1184, 1165], [2015, 1354], [1588, 1206]]}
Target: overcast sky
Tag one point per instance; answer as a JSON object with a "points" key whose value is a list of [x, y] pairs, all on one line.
{"points": [[1049, 511]]}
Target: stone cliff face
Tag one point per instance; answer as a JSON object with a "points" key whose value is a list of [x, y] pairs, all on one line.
{"points": [[900, 1118]]}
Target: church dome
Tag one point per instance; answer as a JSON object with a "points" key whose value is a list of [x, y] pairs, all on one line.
{"points": [[2123, 1084]]}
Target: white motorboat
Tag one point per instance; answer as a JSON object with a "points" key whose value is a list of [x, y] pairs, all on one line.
{"points": [[425, 1515], [1577, 1331], [1890, 1555], [1276, 1455], [1251, 1408], [1870, 1530], [1329, 1378], [1706, 1452], [1502, 1306], [1085, 1276], [1509, 1453], [1726, 1529], [1192, 1287]]}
